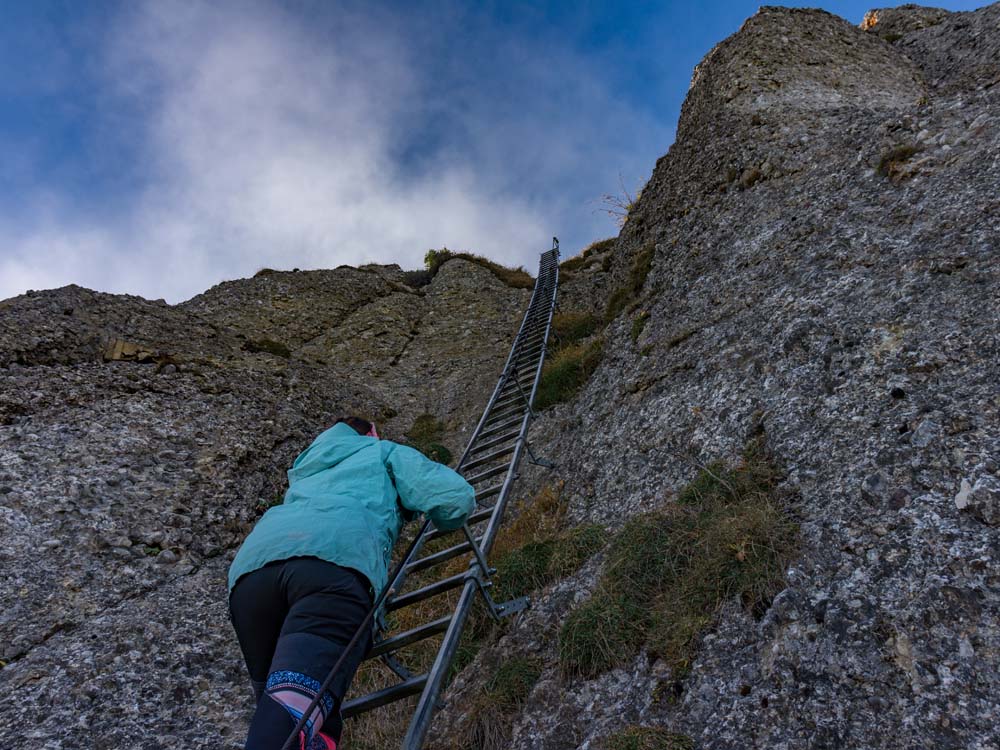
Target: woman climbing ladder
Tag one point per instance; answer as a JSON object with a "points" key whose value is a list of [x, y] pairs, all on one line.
{"points": [[304, 579]]}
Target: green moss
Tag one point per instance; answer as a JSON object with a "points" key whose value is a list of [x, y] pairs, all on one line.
{"points": [[571, 327], [627, 295], [638, 325], [668, 571], [646, 738], [268, 346], [425, 436], [566, 371]]}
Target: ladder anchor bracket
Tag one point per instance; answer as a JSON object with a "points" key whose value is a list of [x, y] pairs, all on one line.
{"points": [[499, 611], [536, 460]]}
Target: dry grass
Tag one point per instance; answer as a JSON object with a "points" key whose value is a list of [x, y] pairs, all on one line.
{"points": [[533, 549], [669, 571], [515, 277], [566, 371], [578, 262], [892, 163], [491, 710], [646, 738]]}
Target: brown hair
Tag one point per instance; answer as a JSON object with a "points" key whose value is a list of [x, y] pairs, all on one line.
{"points": [[361, 426]]}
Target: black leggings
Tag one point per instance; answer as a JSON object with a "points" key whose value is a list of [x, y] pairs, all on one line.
{"points": [[293, 619]]}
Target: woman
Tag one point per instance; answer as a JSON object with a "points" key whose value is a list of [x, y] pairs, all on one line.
{"points": [[305, 577]]}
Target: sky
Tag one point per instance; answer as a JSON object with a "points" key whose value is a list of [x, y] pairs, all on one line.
{"points": [[158, 148]]}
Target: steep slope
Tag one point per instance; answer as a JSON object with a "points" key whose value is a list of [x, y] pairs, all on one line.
{"points": [[825, 243], [139, 441]]}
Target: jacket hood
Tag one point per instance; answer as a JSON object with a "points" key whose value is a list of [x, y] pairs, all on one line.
{"points": [[329, 449]]}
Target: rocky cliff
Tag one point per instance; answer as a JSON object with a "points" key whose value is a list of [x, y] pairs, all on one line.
{"points": [[813, 267]]}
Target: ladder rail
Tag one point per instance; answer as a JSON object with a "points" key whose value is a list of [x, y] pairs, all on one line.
{"points": [[527, 353], [421, 721]]}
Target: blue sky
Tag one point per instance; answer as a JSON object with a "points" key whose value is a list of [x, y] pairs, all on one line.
{"points": [[157, 148]]}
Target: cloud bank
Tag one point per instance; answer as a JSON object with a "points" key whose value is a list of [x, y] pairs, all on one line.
{"points": [[267, 140]]}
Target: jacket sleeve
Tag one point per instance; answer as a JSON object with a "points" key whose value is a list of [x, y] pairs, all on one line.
{"points": [[426, 486]]}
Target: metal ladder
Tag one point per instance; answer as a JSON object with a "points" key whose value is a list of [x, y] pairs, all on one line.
{"points": [[489, 464]]}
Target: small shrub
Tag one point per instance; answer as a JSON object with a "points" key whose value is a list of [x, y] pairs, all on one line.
{"points": [[638, 325], [669, 571], [417, 279], [264, 272], [425, 435], [646, 738], [268, 346], [571, 327], [627, 295], [566, 371]]}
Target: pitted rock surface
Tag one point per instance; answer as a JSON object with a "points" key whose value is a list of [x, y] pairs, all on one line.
{"points": [[801, 287], [126, 484], [826, 258]]}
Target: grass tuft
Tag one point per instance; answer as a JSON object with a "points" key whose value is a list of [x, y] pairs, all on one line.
{"points": [[578, 262], [571, 327], [627, 295], [515, 277], [646, 738], [669, 571], [566, 371], [490, 712]]}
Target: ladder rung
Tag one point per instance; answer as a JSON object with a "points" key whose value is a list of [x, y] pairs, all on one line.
{"points": [[496, 441], [404, 639], [475, 518], [489, 458], [494, 419], [505, 412], [514, 398], [500, 428], [511, 392], [426, 592], [438, 557], [392, 694], [496, 470]]}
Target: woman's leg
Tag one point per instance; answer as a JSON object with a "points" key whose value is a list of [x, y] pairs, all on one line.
{"points": [[257, 608], [326, 604]]}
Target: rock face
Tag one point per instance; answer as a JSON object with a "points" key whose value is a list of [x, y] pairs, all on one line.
{"points": [[827, 263], [139, 441], [825, 235]]}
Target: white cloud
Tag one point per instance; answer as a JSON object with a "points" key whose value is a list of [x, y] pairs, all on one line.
{"points": [[269, 143]]}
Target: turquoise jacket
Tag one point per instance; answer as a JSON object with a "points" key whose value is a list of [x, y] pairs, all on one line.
{"points": [[341, 505]]}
